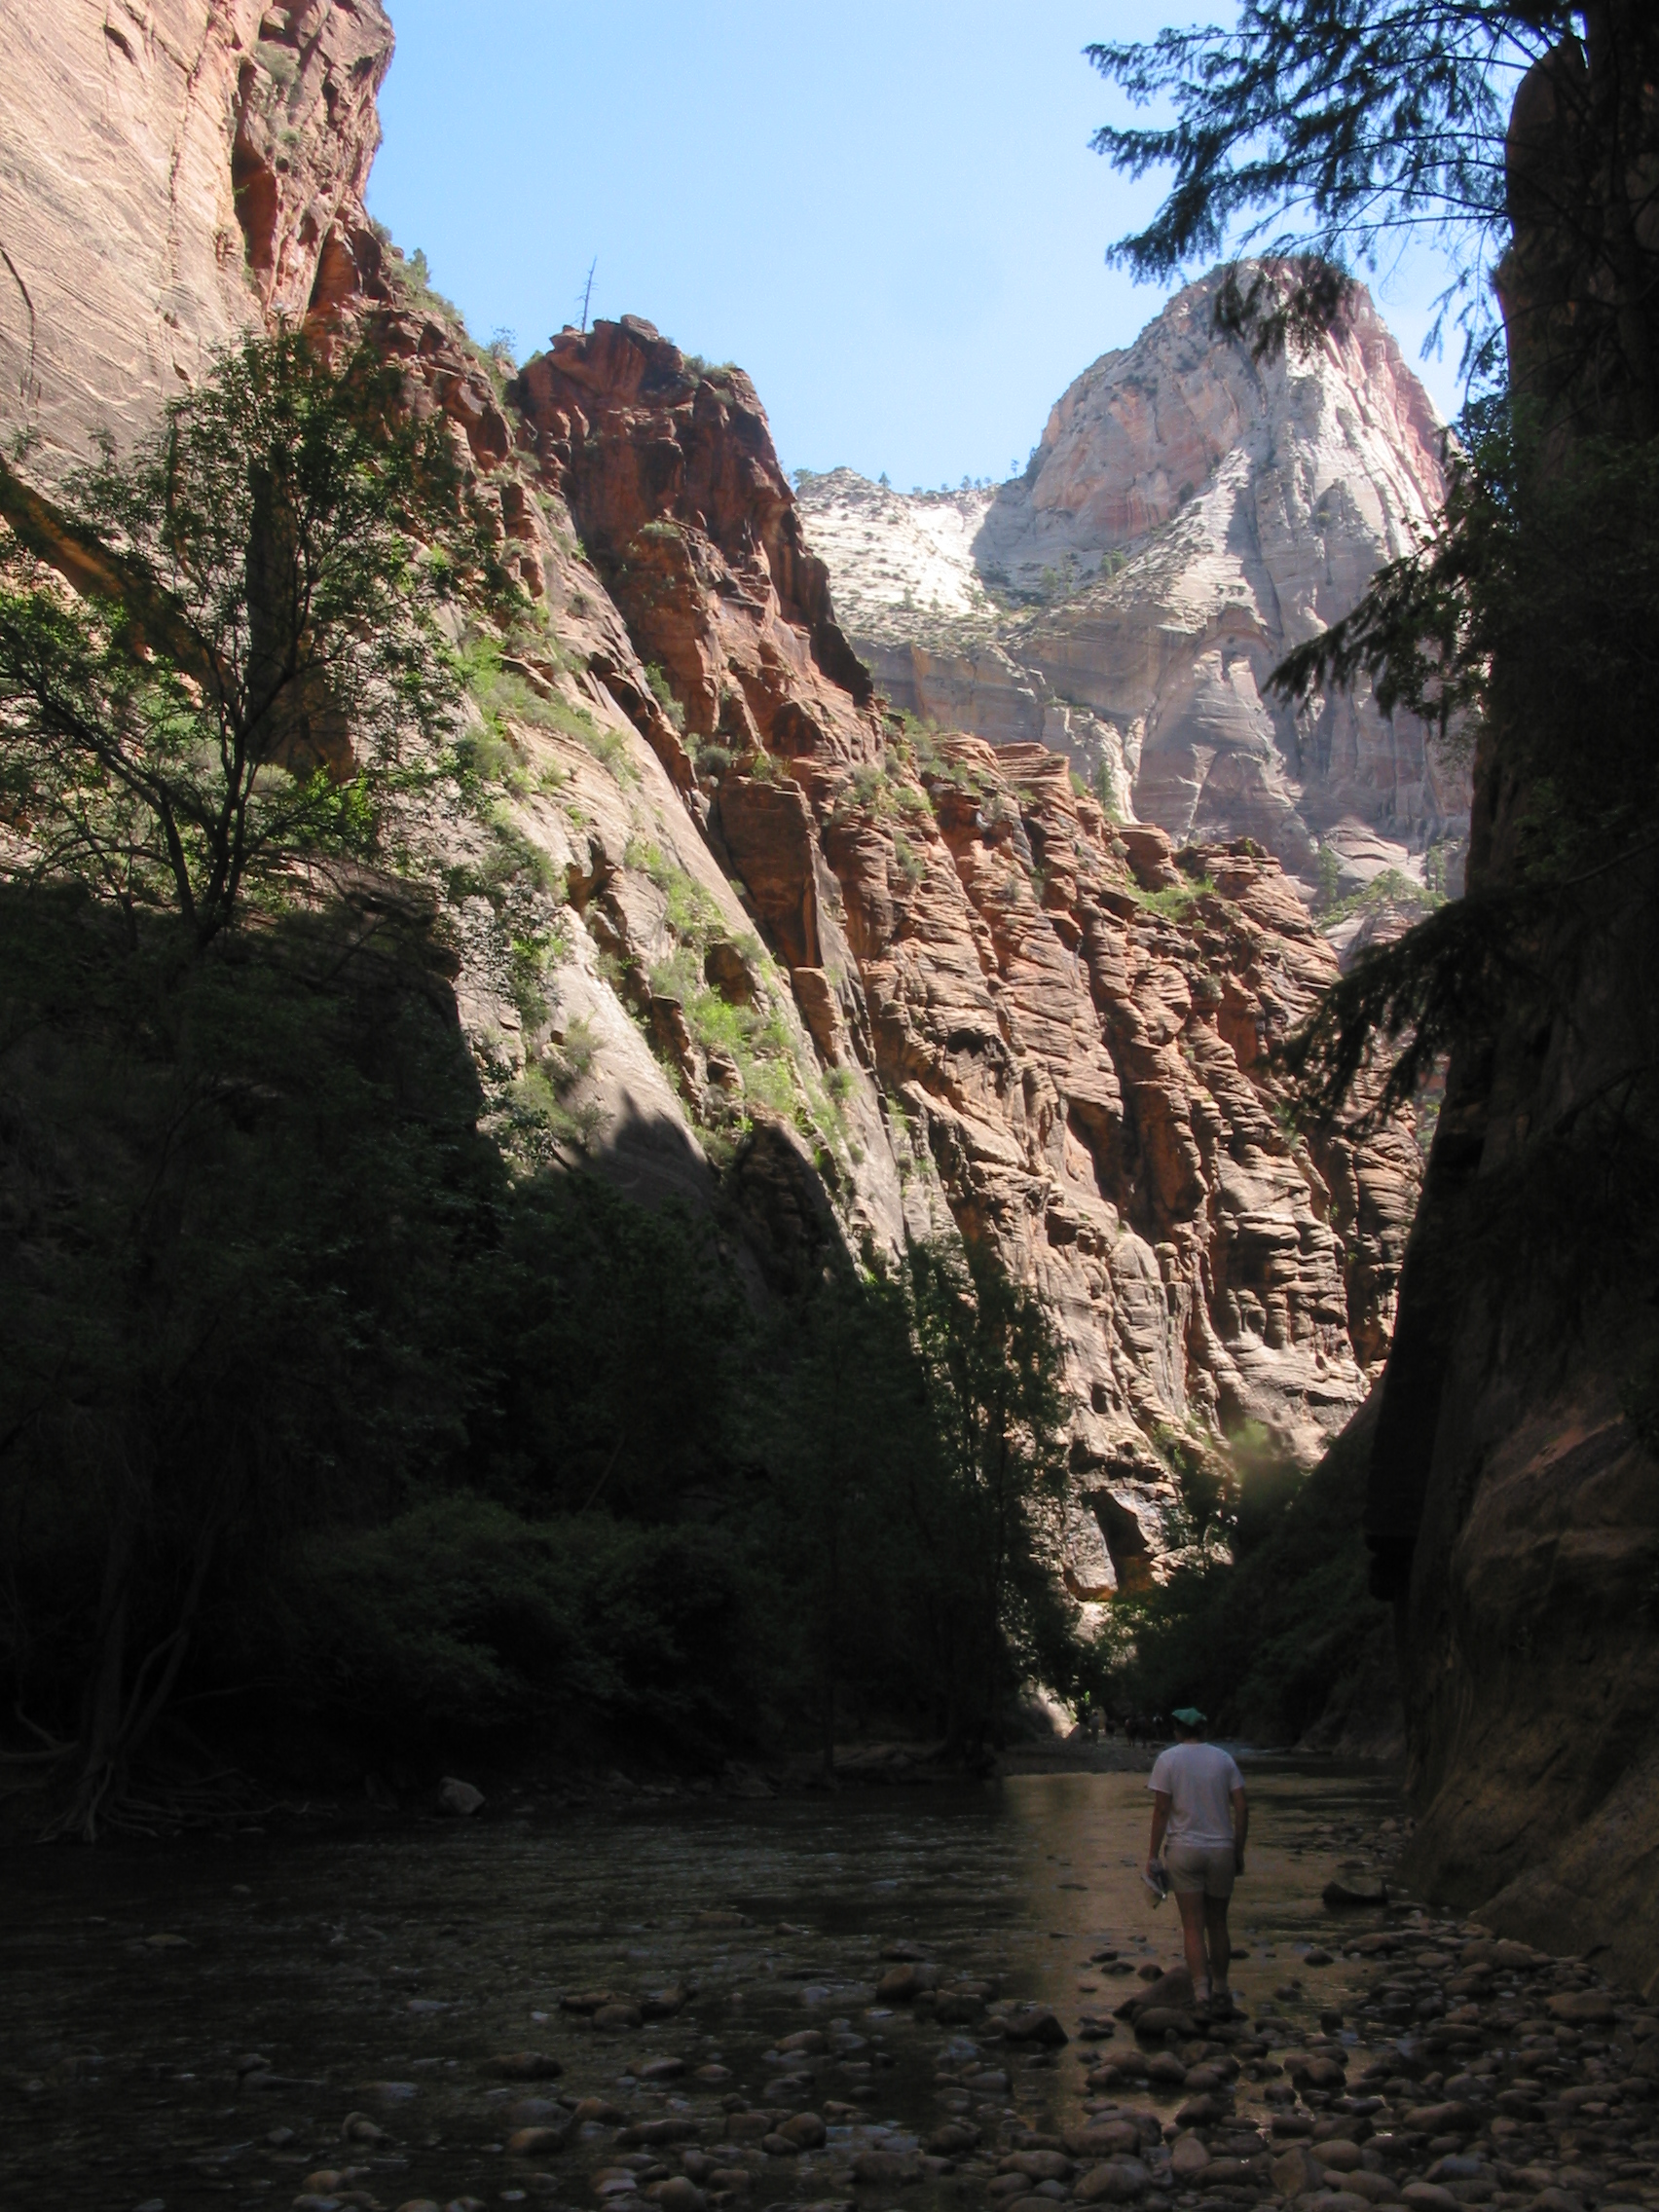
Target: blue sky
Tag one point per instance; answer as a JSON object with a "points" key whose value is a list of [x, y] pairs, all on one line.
{"points": [[886, 210]]}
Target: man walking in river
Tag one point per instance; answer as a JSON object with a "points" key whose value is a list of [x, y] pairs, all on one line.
{"points": [[1200, 1821]]}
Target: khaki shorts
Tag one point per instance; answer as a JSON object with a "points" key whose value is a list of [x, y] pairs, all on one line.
{"points": [[1200, 1869]]}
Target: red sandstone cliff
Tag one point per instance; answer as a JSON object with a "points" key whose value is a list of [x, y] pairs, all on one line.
{"points": [[842, 983]]}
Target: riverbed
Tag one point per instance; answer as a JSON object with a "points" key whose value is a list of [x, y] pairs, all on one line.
{"points": [[379, 1973]]}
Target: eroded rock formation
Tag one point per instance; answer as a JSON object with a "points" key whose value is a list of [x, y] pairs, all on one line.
{"points": [[835, 982], [1191, 514], [174, 171]]}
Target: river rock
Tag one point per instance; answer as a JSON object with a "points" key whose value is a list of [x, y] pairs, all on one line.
{"points": [[887, 2169], [1037, 2166], [665, 2069], [1376, 2189], [952, 2138], [748, 2127], [1296, 2174], [1101, 2139], [522, 2066], [459, 1797], [676, 2127], [1316, 2071], [616, 2018], [539, 2112], [1199, 2112], [1427, 2196], [358, 2128], [1443, 2119], [531, 2142], [419, 2204], [1226, 2172], [1033, 2023], [1340, 2154], [1581, 2007], [1188, 2159], [678, 2194], [805, 2131], [1116, 2181], [1345, 1897]]}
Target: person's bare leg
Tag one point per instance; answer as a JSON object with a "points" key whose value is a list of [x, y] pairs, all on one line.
{"points": [[1220, 1940], [1193, 1938]]}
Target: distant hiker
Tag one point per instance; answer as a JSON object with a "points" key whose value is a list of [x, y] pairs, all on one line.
{"points": [[1200, 1821]]}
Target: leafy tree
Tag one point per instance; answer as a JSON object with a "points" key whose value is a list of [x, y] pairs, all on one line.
{"points": [[1327, 133], [1517, 627], [243, 1206], [984, 1509], [847, 1435], [250, 647]]}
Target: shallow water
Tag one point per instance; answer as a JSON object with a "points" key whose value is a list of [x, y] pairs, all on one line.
{"points": [[374, 1973]]}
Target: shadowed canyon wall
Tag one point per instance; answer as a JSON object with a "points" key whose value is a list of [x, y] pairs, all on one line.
{"points": [[1514, 1496]]}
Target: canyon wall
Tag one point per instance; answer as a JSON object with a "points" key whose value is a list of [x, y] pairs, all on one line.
{"points": [[837, 984], [174, 171], [1513, 1512], [1191, 514]]}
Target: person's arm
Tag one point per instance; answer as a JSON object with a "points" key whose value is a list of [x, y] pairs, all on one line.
{"points": [[1240, 1827], [1160, 1821]]}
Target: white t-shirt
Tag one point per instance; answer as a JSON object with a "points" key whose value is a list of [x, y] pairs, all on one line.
{"points": [[1200, 1779]]}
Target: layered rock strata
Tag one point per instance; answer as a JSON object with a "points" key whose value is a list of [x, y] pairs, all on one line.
{"points": [[1191, 514], [841, 986], [173, 173]]}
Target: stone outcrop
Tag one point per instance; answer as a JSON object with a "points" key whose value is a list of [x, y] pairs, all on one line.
{"points": [[1514, 1504], [835, 982], [173, 173], [1060, 1027], [1191, 514]]}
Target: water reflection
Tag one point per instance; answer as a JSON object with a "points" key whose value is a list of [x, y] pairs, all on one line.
{"points": [[374, 1974]]}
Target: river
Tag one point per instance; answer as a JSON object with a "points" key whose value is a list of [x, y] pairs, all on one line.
{"points": [[378, 1973]]}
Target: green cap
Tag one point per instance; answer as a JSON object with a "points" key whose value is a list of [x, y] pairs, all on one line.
{"points": [[1189, 1716]]}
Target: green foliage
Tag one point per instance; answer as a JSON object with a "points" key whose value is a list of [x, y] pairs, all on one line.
{"points": [[239, 691], [918, 1448], [1283, 1635], [1176, 901], [912, 866], [506, 699], [464, 1616], [1367, 119], [1525, 616], [663, 693]]}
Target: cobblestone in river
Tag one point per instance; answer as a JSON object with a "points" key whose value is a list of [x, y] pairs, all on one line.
{"points": [[708, 2012]]}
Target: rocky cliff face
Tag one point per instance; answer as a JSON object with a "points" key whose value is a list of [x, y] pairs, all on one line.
{"points": [[1189, 515], [837, 984], [1514, 1506], [173, 171]]}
